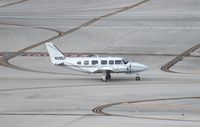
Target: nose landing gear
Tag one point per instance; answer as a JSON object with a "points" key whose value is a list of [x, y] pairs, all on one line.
{"points": [[137, 78]]}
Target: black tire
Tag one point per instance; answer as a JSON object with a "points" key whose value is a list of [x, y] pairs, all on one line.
{"points": [[108, 76], [137, 78]]}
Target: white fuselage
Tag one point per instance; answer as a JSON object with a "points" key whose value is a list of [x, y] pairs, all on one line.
{"points": [[101, 64], [94, 64]]}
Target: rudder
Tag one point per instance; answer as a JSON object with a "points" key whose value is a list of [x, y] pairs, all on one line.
{"points": [[55, 54]]}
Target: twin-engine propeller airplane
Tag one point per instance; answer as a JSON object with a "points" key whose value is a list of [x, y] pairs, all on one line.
{"points": [[95, 64]]}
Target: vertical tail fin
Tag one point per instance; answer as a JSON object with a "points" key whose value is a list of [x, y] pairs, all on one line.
{"points": [[56, 56]]}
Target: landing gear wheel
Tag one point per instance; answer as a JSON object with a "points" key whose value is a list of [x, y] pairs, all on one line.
{"points": [[105, 77], [108, 76], [137, 78]]}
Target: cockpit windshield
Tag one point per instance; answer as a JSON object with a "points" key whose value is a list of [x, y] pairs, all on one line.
{"points": [[125, 61]]}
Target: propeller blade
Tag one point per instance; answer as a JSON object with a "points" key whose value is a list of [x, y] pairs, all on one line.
{"points": [[130, 67]]}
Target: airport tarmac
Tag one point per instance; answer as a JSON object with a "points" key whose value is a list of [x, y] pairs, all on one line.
{"points": [[157, 33]]}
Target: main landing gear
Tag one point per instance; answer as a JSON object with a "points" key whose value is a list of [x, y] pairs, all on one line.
{"points": [[106, 76]]}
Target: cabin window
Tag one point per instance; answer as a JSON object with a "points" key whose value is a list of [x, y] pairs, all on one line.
{"points": [[104, 62], [86, 62], [79, 62], [94, 62], [111, 62], [118, 62]]}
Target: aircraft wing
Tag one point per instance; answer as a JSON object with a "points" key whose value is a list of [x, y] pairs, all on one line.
{"points": [[102, 69]]}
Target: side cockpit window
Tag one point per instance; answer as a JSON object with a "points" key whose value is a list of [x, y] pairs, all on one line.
{"points": [[125, 61], [117, 62]]}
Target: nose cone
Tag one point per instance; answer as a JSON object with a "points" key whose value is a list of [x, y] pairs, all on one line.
{"points": [[143, 67], [139, 67]]}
